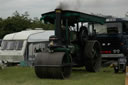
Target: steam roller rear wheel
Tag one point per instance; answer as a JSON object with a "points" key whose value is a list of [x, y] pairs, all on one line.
{"points": [[92, 56], [53, 65]]}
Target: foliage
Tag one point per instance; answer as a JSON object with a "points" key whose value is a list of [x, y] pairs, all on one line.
{"points": [[18, 22]]}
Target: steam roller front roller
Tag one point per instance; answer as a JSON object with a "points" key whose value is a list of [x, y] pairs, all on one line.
{"points": [[53, 65], [92, 56]]}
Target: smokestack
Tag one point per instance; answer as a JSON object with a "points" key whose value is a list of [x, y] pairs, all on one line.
{"points": [[70, 5], [58, 23]]}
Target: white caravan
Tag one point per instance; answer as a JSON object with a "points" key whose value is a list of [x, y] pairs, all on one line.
{"points": [[23, 46]]}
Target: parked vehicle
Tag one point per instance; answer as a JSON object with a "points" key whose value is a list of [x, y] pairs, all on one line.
{"points": [[18, 47], [113, 37], [70, 45]]}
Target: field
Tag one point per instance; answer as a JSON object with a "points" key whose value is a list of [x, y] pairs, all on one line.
{"points": [[26, 76]]}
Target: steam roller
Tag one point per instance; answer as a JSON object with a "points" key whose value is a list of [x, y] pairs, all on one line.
{"points": [[53, 65], [72, 45]]}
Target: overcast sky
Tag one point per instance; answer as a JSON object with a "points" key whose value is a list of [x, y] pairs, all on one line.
{"points": [[36, 7]]}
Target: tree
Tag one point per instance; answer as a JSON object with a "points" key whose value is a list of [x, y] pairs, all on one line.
{"points": [[18, 22], [14, 23]]}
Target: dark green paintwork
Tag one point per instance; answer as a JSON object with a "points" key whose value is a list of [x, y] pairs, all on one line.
{"points": [[73, 16]]}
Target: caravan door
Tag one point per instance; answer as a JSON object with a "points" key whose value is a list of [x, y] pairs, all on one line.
{"points": [[34, 48]]}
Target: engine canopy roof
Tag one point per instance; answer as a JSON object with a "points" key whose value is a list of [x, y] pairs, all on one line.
{"points": [[72, 16]]}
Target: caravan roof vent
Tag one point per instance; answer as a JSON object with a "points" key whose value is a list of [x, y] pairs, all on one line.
{"points": [[28, 29], [38, 28]]}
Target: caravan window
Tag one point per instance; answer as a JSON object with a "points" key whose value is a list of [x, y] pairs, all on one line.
{"points": [[12, 44], [3, 45], [18, 45]]}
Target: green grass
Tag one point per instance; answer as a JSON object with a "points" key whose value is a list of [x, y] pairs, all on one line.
{"points": [[26, 76]]}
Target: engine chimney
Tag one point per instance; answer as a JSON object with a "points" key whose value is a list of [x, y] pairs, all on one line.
{"points": [[58, 23]]}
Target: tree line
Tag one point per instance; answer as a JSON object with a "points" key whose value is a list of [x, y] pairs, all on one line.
{"points": [[18, 22]]}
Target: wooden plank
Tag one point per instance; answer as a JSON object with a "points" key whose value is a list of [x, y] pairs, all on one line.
{"points": [[126, 78]]}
